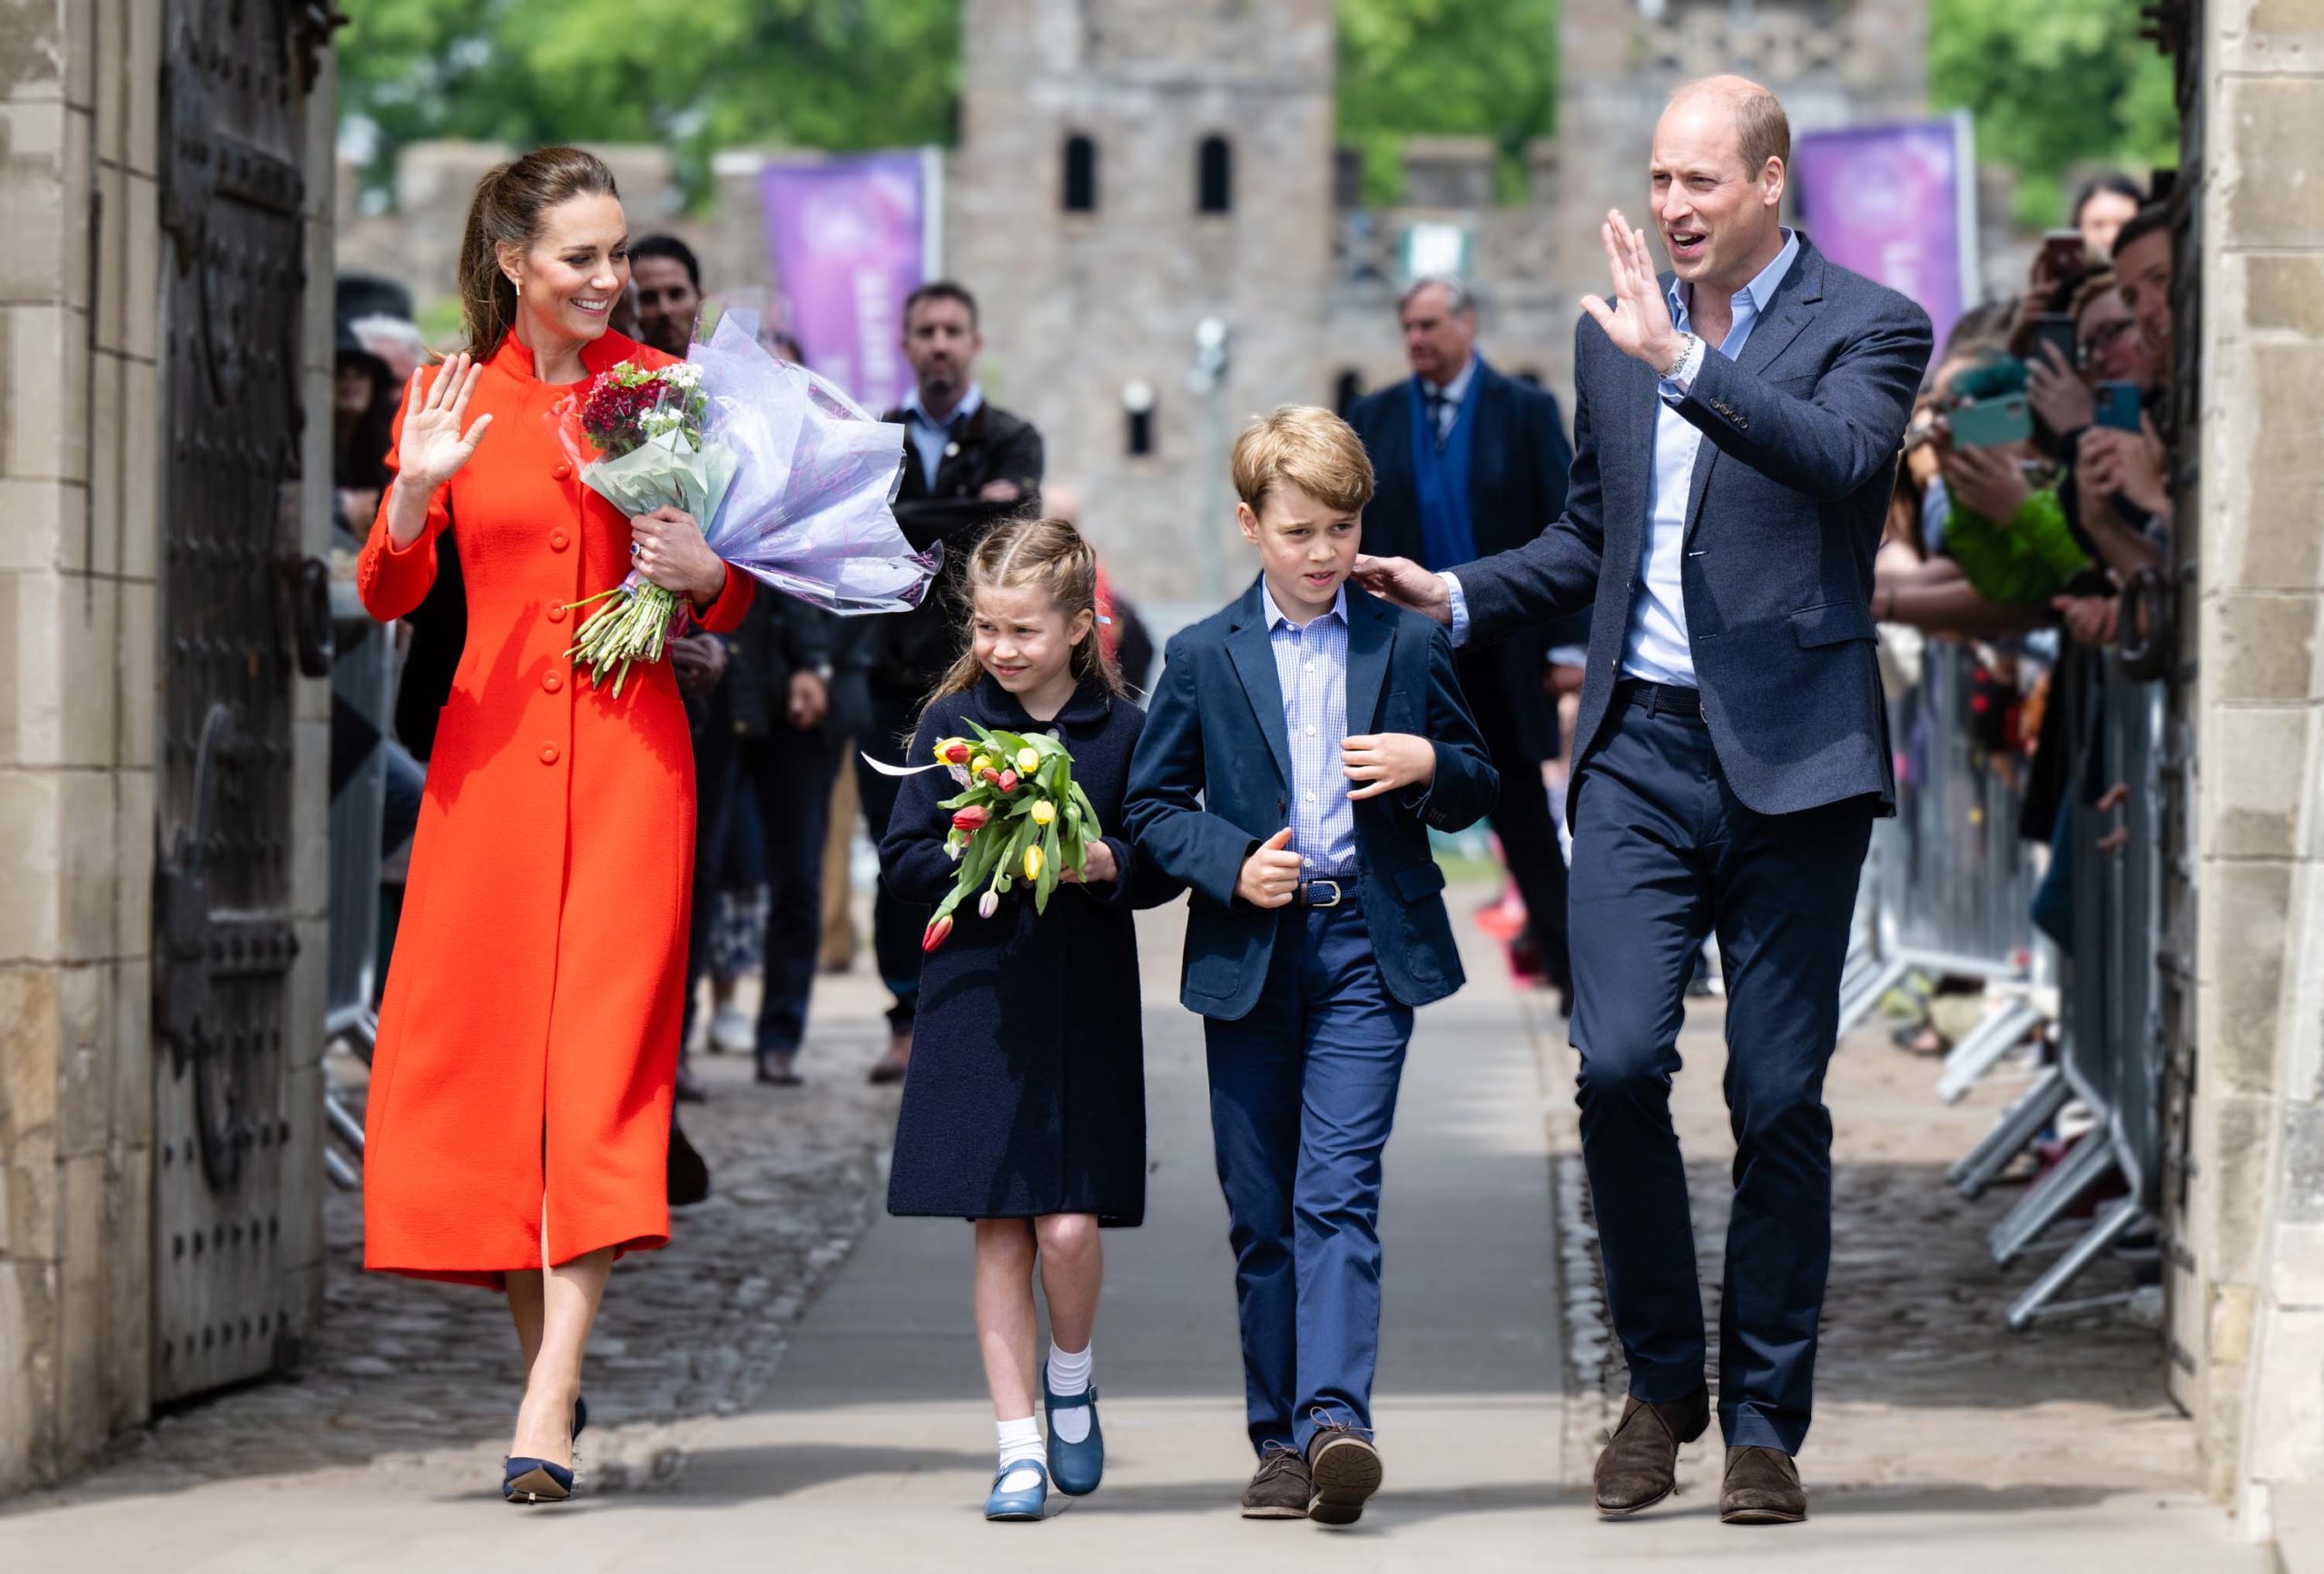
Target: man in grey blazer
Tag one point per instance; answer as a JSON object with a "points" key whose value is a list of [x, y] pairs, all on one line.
{"points": [[1736, 425]]}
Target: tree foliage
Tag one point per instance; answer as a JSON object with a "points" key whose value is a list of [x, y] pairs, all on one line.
{"points": [[2054, 86], [1445, 67], [698, 76]]}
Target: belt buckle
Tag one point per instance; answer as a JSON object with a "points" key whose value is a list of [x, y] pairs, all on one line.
{"points": [[1311, 893]]}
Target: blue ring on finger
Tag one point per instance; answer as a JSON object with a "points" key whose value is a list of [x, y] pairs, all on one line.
{"points": [[632, 549]]}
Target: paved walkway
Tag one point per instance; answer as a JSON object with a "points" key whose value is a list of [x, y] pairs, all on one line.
{"points": [[1944, 1440]]}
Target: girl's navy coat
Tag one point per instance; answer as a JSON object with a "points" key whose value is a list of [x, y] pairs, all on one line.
{"points": [[1026, 1093]]}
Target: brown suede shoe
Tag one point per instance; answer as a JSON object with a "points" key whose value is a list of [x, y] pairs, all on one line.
{"points": [[1762, 1488], [1345, 1470], [1640, 1464], [1280, 1488]]}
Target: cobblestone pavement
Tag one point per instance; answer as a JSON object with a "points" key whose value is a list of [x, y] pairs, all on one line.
{"points": [[404, 1367]]}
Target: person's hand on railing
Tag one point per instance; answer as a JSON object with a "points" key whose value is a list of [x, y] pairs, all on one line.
{"points": [[2091, 619], [2113, 798]]}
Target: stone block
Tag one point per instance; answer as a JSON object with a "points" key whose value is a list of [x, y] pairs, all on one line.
{"points": [[80, 1332], [2275, 36], [113, 87], [143, 450], [85, 1059], [2241, 931], [33, 209], [2230, 1324], [33, 52], [138, 715], [30, 865], [26, 1333], [80, 54], [31, 525], [2285, 1436], [142, 145], [45, 431], [2273, 126], [2283, 293], [2297, 1269], [32, 1221], [128, 1361], [89, 638], [113, 254], [93, 539], [132, 1054], [29, 1035], [85, 824], [2262, 645], [2254, 771], [309, 816], [142, 264], [133, 844], [307, 1002], [2241, 1156]]}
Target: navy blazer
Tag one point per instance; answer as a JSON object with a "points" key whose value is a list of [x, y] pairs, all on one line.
{"points": [[1211, 780], [1518, 461], [1790, 488]]}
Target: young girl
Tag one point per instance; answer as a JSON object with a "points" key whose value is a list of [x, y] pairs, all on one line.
{"points": [[1025, 1107]]}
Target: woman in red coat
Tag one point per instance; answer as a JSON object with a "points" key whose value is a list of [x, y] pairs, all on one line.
{"points": [[519, 1111]]}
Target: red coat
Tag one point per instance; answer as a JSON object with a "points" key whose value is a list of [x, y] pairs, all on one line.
{"points": [[528, 1038]]}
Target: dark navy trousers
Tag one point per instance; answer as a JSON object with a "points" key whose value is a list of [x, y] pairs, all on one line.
{"points": [[1664, 855], [1303, 1093]]}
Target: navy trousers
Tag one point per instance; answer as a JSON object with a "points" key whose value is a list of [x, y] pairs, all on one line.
{"points": [[1663, 855], [1303, 1093]]}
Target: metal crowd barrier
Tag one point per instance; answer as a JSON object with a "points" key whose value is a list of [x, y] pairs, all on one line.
{"points": [[362, 679], [1948, 893]]}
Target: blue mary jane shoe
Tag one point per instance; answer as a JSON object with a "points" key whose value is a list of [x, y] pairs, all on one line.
{"points": [[1077, 1468], [1026, 1503]]}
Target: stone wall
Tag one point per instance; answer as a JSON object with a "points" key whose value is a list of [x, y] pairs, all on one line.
{"points": [[82, 441], [2258, 1208]]}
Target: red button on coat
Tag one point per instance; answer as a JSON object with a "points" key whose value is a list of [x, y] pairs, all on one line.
{"points": [[557, 613], [562, 470], [558, 540], [551, 682], [549, 754]]}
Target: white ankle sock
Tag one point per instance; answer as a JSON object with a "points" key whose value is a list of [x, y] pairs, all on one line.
{"points": [[1021, 1444], [1070, 1375]]}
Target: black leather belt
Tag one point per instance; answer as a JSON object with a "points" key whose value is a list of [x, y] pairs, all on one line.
{"points": [[1340, 891], [1663, 699]]}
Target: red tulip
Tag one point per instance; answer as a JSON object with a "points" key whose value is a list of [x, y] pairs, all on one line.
{"points": [[992, 775], [1007, 782], [956, 754], [938, 927], [972, 818]]}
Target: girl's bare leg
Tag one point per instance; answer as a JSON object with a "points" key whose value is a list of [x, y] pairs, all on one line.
{"points": [[1005, 1327]]}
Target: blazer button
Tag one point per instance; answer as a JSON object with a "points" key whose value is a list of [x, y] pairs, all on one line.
{"points": [[558, 541], [551, 682], [562, 471], [557, 612], [549, 754]]}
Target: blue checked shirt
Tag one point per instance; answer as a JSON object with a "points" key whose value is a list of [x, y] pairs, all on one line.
{"points": [[1311, 669]]}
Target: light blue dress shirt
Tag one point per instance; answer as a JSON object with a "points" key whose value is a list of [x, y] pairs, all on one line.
{"points": [[1655, 646], [1311, 669], [929, 438]]}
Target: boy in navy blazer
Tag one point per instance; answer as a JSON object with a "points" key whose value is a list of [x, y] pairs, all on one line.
{"points": [[1300, 745]]}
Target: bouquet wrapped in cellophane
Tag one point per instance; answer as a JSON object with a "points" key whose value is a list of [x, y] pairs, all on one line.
{"points": [[1019, 815], [790, 479]]}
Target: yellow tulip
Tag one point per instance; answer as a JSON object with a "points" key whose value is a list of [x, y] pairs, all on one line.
{"points": [[1033, 861], [980, 765], [1044, 812], [1029, 760]]}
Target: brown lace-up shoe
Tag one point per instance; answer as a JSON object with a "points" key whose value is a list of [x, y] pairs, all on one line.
{"points": [[1762, 1488], [1347, 1471], [1640, 1464], [1280, 1488]]}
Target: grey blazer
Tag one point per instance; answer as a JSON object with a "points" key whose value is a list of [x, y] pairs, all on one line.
{"points": [[1801, 436]]}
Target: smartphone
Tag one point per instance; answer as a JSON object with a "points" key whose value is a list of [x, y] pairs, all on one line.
{"points": [[2063, 253], [2119, 408], [2055, 328], [1988, 422]]}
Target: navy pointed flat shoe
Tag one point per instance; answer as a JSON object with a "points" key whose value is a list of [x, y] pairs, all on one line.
{"points": [[1075, 1467], [526, 1481]]}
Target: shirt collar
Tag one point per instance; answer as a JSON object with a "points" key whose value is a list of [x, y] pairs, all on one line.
{"points": [[1456, 390], [970, 402], [1753, 298], [1274, 615]]}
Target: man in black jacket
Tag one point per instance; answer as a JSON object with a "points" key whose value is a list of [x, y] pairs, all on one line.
{"points": [[1469, 462], [968, 464]]}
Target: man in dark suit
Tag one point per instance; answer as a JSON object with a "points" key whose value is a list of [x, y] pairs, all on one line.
{"points": [[968, 464], [1736, 434], [1469, 461]]}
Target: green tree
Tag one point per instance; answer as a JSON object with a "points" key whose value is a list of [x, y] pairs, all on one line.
{"points": [[2053, 85], [1442, 67], [698, 76]]}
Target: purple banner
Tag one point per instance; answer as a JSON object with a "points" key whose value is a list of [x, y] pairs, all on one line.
{"points": [[1896, 203], [844, 234]]}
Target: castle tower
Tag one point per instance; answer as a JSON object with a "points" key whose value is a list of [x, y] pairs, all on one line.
{"points": [[1125, 170]]}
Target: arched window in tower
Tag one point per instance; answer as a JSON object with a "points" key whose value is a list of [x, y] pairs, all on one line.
{"points": [[1080, 195], [1214, 176]]}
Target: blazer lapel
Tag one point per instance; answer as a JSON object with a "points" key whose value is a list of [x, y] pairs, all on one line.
{"points": [[1371, 629], [1796, 295], [1253, 658]]}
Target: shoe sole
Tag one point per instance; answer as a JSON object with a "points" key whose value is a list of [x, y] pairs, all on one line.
{"points": [[1345, 1474], [1283, 1513], [534, 1487], [1763, 1517], [1623, 1512]]}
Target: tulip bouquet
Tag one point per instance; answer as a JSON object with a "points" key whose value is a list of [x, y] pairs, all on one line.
{"points": [[1019, 814]]}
